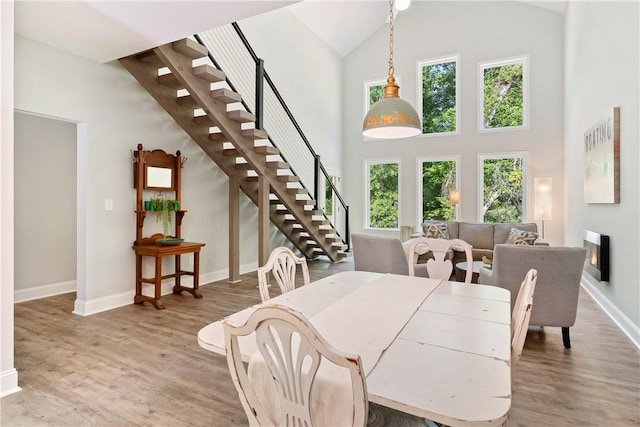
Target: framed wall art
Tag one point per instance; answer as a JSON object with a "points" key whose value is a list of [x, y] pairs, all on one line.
{"points": [[602, 160]]}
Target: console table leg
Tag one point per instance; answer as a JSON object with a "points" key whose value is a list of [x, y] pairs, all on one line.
{"points": [[196, 275], [138, 279]]}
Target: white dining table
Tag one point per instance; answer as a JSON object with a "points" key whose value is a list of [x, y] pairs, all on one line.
{"points": [[450, 362]]}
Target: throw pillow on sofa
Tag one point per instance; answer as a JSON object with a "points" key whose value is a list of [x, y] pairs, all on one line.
{"points": [[436, 231], [521, 237]]}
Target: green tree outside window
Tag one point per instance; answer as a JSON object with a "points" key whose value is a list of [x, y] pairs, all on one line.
{"points": [[328, 198], [383, 195], [503, 190], [375, 94], [438, 178], [439, 98], [503, 96]]}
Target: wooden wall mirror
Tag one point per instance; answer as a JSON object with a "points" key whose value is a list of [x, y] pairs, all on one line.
{"points": [[158, 178], [157, 170]]}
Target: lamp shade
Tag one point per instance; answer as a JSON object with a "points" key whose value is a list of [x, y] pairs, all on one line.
{"points": [[391, 118], [542, 202]]}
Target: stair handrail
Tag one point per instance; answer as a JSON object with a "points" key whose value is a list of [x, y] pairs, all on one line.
{"points": [[262, 74]]}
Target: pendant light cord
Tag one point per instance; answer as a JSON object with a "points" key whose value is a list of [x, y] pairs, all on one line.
{"points": [[391, 70]]}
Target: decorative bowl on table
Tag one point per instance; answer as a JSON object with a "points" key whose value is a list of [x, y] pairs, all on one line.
{"points": [[169, 241], [487, 261]]}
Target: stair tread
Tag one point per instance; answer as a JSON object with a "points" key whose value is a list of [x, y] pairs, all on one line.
{"points": [[266, 149], [297, 190], [288, 178], [255, 134], [241, 116], [226, 95], [278, 165], [208, 73], [191, 48]]}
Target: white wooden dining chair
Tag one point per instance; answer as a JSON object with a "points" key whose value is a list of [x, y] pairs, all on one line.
{"points": [[293, 352], [282, 264], [439, 267], [521, 315]]}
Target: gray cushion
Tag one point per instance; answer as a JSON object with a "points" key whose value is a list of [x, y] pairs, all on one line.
{"points": [[478, 235]]}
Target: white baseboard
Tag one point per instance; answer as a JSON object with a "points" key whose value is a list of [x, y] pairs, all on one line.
{"points": [[9, 382], [87, 308], [631, 330], [37, 292]]}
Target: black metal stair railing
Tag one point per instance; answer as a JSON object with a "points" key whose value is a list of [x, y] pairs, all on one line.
{"points": [[230, 51]]}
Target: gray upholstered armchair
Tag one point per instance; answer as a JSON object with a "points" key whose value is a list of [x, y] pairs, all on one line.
{"points": [[381, 255], [555, 302], [378, 254]]}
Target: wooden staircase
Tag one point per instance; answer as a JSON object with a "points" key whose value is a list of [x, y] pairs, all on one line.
{"points": [[242, 152]]}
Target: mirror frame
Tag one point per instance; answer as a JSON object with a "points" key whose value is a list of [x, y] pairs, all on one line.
{"points": [[161, 160]]}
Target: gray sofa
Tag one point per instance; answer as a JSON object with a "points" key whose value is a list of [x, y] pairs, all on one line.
{"points": [[555, 300], [481, 236]]}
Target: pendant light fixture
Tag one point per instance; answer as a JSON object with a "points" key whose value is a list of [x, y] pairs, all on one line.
{"points": [[391, 117]]}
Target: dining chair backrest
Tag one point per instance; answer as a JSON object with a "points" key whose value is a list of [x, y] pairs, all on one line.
{"points": [[282, 264], [440, 267], [521, 315], [293, 351], [378, 254]]}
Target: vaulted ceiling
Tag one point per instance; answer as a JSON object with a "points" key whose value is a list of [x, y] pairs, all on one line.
{"points": [[103, 31]]}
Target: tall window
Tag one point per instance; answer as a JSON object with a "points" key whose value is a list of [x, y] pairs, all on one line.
{"points": [[382, 190], [438, 177], [502, 179], [505, 94], [438, 101], [373, 93]]}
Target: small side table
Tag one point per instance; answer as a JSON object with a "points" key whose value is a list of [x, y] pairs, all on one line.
{"points": [[461, 270], [158, 252]]}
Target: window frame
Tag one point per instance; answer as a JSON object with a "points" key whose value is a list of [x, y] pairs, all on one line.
{"points": [[420, 92], [526, 93], [525, 181], [367, 201], [419, 190]]}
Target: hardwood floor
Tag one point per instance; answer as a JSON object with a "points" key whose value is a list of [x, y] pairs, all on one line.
{"points": [[136, 365]]}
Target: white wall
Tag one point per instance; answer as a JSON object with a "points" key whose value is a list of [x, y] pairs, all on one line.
{"points": [[8, 374], [602, 71], [478, 31], [45, 203], [308, 75]]}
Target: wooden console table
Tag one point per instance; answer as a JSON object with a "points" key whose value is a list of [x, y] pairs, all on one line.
{"points": [[158, 171], [159, 251]]}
